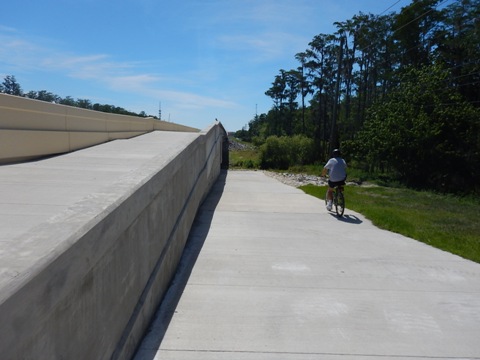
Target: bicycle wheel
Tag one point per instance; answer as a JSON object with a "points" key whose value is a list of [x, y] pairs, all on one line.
{"points": [[340, 202]]}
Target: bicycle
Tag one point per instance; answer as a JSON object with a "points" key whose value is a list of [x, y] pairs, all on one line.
{"points": [[338, 199]]}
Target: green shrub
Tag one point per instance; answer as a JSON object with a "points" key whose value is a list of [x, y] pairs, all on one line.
{"points": [[284, 152], [273, 153]]}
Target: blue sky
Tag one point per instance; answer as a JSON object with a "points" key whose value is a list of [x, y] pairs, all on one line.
{"points": [[202, 59]]}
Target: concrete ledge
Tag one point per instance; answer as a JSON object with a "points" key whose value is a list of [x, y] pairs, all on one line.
{"points": [[31, 128], [85, 283]]}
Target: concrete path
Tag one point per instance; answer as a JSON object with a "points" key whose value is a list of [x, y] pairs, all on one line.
{"points": [[270, 274]]}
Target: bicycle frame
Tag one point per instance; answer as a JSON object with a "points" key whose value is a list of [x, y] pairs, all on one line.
{"points": [[338, 199]]}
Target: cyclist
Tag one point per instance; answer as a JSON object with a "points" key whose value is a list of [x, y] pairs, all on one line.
{"points": [[337, 169]]}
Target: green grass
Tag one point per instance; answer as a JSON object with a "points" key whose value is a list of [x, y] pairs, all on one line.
{"points": [[447, 222], [246, 159]]}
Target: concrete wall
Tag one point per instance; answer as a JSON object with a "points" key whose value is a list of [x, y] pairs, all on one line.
{"points": [[95, 298], [31, 128]]}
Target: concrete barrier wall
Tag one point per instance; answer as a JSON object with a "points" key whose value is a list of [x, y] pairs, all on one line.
{"points": [[96, 296], [31, 128]]}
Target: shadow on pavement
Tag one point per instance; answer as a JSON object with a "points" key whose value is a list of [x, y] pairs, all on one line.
{"points": [[196, 239], [346, 218]]}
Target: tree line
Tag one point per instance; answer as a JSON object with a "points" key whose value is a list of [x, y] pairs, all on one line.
{"points": [[12, 87], [398, 92]]}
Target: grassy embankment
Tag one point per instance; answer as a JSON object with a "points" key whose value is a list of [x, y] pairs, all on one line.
{"points": [[244, 157], [444, 221]]}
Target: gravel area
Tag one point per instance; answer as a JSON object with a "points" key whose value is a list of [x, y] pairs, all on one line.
{"points": [[235, 146], [297, 180]]}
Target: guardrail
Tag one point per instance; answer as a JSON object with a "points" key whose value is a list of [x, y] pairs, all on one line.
{"points": [[30, 128]]}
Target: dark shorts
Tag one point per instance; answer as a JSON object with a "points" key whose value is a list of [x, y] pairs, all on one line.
{"points": [[332, 184]]}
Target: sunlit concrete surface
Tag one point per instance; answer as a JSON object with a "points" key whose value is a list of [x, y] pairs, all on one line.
{"points": [[90, 240], [32, 192], [270, 274]]}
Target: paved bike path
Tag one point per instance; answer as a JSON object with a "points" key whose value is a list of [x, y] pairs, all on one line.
{"points": [[270, 274]]}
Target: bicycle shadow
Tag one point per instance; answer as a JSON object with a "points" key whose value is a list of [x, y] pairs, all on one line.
{"points": [[347, 218]]}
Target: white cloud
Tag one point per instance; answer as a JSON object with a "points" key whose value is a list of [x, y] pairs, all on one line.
{"points": [[140, 81], [187, 100], [264, 47], [16, 53], [7, 29], [272, 15], [116, 76]]}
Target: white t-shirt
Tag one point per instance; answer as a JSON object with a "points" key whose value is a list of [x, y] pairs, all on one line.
{"points": [[338, 169]]}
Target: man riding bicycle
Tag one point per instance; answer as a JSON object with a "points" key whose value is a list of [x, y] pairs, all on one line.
{"points": [[337, 169]]}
